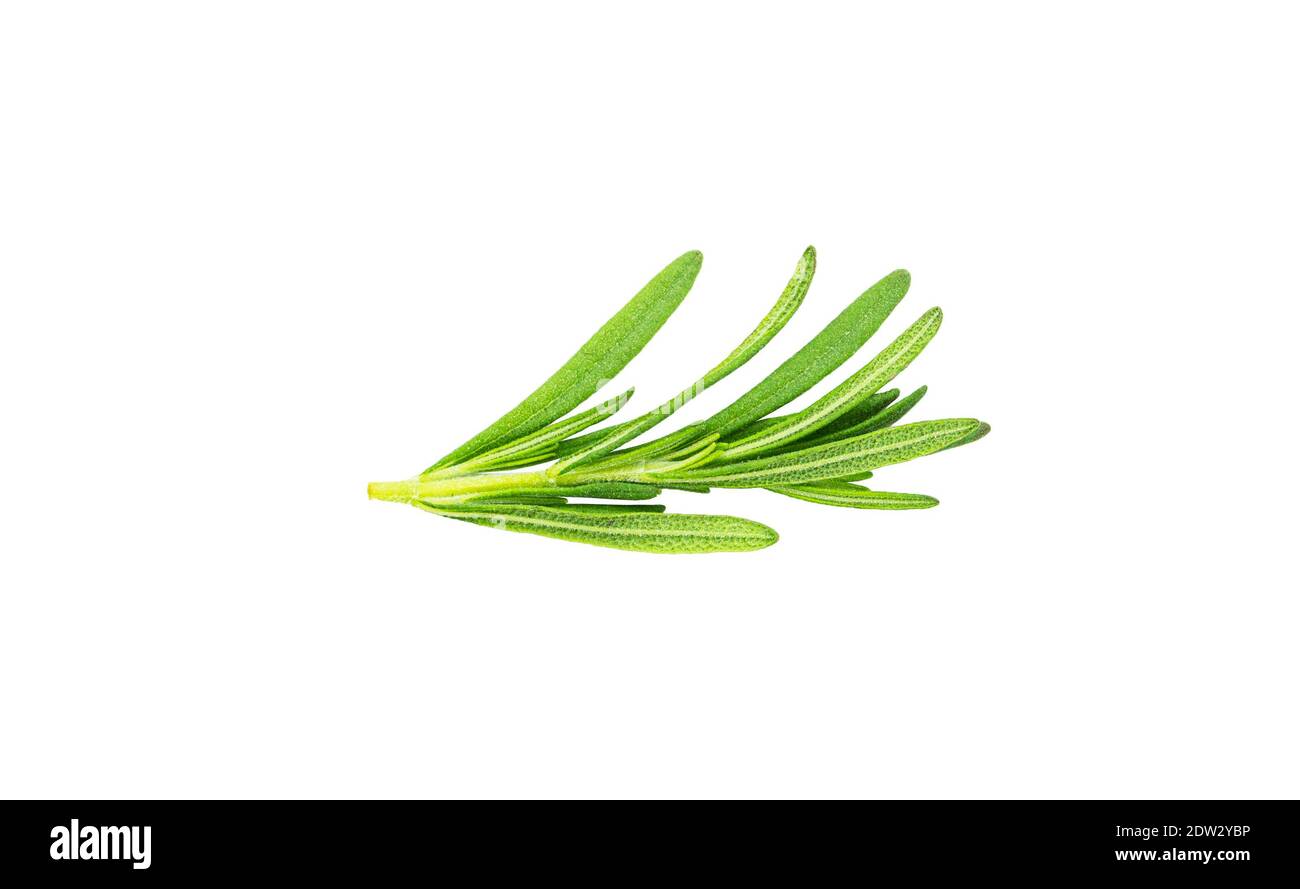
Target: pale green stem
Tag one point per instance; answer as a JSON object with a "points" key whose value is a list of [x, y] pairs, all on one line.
{"points": [[465, 487], [439, 488]]}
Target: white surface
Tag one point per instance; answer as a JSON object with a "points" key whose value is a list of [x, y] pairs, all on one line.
{"points": [[257, 255]]}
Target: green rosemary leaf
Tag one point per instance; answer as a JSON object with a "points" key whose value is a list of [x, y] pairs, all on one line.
{"points": [[859, 412], [522, 497], [579, 442], [836, 460], [532, 458], [642, 532], [822, 354], [853, 496], [637, 470], [878, 420], [490, 504], [853, 391], [535, 497], [602, 442], [611, 491], [781, 312], [550, 494], [560, 449], [693, 447], [599, 359], [854, 477], [615, 508], [530, 448], [983, 430], [667, 444], [887, 417], [786, 305]]}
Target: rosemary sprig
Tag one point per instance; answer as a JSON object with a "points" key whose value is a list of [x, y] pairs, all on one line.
{"points": [[816, 454]]}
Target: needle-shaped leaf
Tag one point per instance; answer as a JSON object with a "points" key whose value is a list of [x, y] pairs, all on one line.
{"points": [[599, 359], [836, 460], [522, 497], [557, 449], [615, 508], [580, 442], [673, 441], [685, 486], [781, 312], [879, 420], [610, 491], [887, 417], [866, 382], [983, 430], [533, 497], [538, 443], [853, 496], [852, 418], [868, 408], [639, 531], [822, 354], [854, 477], [786, 305], [556, 494]]}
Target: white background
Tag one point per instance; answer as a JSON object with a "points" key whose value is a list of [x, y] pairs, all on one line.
{"points": [[255, 255]]}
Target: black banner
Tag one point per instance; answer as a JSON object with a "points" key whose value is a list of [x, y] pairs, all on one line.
{"points": [[142, 842]]}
